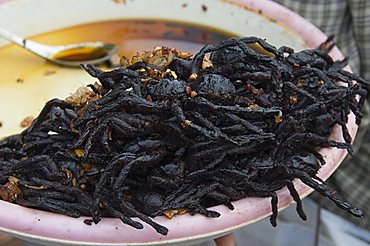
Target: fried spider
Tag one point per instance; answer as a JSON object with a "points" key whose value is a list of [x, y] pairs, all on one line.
{"points": [[239, 119]]}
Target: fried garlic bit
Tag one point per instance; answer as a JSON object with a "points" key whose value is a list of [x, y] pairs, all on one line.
{"points": [[160, 57], [186, 123], [10, 191], [279, 117], [193, 94], [293, 99], [83, 96], [79, 152], [173, 73], [207, 63], [254, 105], [170, 213], [193, 76]]}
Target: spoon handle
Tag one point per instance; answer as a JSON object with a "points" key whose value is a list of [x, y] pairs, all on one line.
{"points": [[12, 37], [44, 51]]}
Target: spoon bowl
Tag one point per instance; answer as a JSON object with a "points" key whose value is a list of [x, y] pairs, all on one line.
{"points": [[71, 55]]}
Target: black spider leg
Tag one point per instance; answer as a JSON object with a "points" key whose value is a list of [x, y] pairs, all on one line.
{"points": [[44, 112], [92, 70], [274, 203], [301, 91], [105, 139], [11, 141], [336, 76], [349, 103], [42, 162], [210, 164], [342, 122], [314, 140], [316, 72], [119, 100], [50, 168], [338, 65], [211, 155], [245, 123], [125, 219], [328, 45], [99, 129], [176, 198], [179, 113], [325, 78], [94, 89], [324, 55], [144, 160], [110, 171], [285, 49], [222, 198], [118, 74], [119, 123], [323, 189], [128, 207], [355, 77], [214, 163], [82, 196], [253, 113], [116, 100], [270, 48], [190, 197], [318, 156], [50, 205], [274, 206], [136, 88], [207, 123], [111, 78], [352, 104], [357, 104], [10, 153], [293, 192], [130, 101], [49, 194], [85, 133], [312, 110], [254, 189]]}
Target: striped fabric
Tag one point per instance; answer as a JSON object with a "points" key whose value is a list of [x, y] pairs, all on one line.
{"points": [[349, 20]]}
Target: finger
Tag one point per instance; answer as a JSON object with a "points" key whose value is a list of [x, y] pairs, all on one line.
{"points": [[227, 240], [5, 238]]}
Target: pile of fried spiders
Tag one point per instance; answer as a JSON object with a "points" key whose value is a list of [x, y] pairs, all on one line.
{"points": [[170, 133]]}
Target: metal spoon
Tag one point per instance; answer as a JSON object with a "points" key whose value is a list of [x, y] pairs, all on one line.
{"points": [[71, 55]]}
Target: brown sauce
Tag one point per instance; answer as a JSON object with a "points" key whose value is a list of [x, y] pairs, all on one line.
{"points": [[81, 54]]}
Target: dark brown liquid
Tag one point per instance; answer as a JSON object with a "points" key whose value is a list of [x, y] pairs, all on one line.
{"points": [[81, 54]]}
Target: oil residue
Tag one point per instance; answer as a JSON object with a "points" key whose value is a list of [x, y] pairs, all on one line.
{"points": [[134, 35], [81, 54]]}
